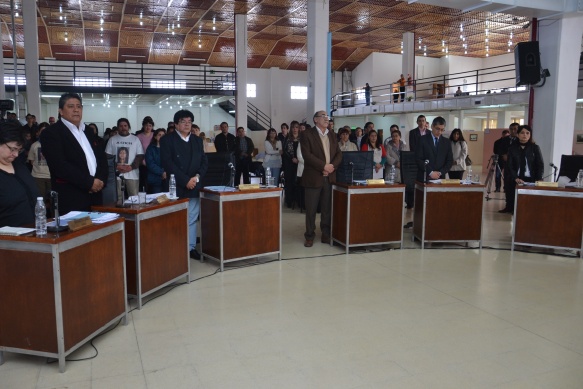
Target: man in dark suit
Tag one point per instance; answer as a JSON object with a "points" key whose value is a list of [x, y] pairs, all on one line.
{"points": [[500, 150], [182, 154], [78, 169], [433, 153], [322, 156], [225, 142], [416, 133], [243, 152], [509, 142]]}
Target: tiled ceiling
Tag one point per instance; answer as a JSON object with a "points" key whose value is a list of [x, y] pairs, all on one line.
{"points": [[191, 32]]}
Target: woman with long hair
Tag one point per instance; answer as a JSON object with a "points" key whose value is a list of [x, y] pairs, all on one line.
{"points": [[273, 152], [525, 163], [156, 177], [375, 145], [290, 157], [145, 136], [459, 149]]}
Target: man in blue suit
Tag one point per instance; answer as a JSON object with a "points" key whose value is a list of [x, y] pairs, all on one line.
{"points": [[433, 154]]}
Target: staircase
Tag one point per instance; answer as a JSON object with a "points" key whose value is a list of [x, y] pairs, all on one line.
{"points": [[256, 119]]}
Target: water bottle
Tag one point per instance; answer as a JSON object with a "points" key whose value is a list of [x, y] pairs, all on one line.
{"points": [[267, 176], [40, 213], [392, 174], [172, 186], [469, 176], [580, 179]]}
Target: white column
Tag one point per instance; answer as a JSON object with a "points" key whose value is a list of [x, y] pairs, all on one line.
{"points": [[554, 103], [408, 56], [318, 67], [460, 123], [31, 64], [2, 86], [275, 94], [241, 69]]}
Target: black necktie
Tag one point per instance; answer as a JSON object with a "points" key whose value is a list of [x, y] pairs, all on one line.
{"points": [[436, 142]]}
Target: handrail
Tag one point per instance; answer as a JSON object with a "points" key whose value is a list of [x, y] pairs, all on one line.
{"points": [[256, 114], [483, 81]]}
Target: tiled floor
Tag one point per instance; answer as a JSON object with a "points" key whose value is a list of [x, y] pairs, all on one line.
{"points": [[444, 317]]}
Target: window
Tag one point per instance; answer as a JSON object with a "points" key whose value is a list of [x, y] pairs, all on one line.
{"points": [[360, 94], [168, 84], [9, 80], [92, 82], [251, 90], [299, 92]]}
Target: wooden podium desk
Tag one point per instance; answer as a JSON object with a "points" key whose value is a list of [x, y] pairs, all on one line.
{"points": [[364, 215], [241, 224], [548, 217], [156, 244], [60, 291], [448, 213]]}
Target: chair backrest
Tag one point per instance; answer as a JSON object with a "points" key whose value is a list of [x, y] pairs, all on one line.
{"points": [[408, 168], [110, 189], [218, 172], [570, 165]]}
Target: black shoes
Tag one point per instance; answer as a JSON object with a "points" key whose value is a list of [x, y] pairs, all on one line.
{"points": [[194, 254], [505, 210]]}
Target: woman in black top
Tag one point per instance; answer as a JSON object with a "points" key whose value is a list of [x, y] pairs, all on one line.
{"points": [[525, 162], [18, 191], [290, 165]]}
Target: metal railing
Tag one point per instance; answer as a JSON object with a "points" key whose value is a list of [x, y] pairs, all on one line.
{"points": [[259, 116], [128, 78], [474, 82]]}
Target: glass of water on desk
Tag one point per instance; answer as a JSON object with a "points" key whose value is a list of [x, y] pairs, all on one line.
{"points": [[469, 174]]}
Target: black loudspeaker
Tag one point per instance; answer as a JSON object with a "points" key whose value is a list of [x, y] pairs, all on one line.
{"points": [[527, 63]]}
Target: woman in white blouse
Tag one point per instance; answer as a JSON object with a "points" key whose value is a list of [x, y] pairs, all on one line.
{"points": [[273, 152], [459, 149]]}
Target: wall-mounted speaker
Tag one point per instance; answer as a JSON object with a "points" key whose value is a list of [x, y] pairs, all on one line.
{"points": [[527, 63]]}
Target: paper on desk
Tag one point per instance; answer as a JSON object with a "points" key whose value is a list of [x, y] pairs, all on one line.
{"points": [[220, 188], [435, 181], [96, 217]]}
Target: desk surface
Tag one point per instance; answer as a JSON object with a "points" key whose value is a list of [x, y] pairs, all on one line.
{"points": [[135, 209], [375, 186], [240, 192], [55, 238]]}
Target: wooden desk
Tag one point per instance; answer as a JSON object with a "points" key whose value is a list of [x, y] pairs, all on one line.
{"points": [[448, 213], [548, 217], [241, 224], [367, 215], [156, 245], [60, 291]]}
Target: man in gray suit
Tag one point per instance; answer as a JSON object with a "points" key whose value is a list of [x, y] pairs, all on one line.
{"points": [[433, 153], [322, 156]]}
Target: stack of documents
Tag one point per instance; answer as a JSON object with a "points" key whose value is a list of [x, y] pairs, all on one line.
{"points": [[96, 217]]}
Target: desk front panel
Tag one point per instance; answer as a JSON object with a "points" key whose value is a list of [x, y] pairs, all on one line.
{"points": [[92, 286], [251, 227], [27, 305], [376, 217], [549, 218]]}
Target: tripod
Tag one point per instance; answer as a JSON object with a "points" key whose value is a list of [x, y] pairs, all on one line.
{"points": [[492, 167]]}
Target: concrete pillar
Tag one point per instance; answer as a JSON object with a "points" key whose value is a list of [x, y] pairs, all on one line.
{"points": [[318, 49], [460, 123], [241, 69], [554, 103], [31, 64], [2, 86], [408, 56], [275, 94]]}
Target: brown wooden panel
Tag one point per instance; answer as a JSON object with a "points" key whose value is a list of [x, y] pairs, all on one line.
{"points": [[340, 211], [549, 220], [251, 226], [131, 271], [163, 251], [27, 305], [453, 215], [368, 224], [92, 286], [210, 228]]}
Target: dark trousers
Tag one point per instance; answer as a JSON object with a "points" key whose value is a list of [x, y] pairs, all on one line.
{"points": [[456, 175], [499, 169], [318, 196], [402, 90], [242, 167]]}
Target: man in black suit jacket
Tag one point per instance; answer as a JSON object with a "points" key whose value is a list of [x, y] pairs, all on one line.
{"points": [[225, 142], [182, 154], [78, 169], [244, 148], [416, 133], [436, 151]]}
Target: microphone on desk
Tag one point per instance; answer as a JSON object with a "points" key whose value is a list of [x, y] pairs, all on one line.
{"points": [[232, 179], [231, 165], [55, 202], [554, 171], [553, 166]]}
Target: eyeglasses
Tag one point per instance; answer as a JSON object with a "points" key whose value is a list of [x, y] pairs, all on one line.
{"points": [[13, 150], [185, 122], [323, 116]]}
